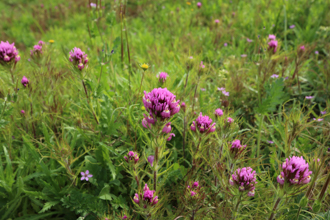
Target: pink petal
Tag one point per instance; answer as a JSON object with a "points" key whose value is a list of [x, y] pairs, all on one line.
{"points": [[82, 178], [89, 176], [86, 178], [82, 173], [87, 172]]}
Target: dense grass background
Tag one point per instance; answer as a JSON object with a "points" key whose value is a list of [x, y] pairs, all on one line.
{"points": [[61, 134]]}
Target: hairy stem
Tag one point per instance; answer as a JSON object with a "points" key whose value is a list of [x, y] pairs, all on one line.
{"points": [[274, 209]]}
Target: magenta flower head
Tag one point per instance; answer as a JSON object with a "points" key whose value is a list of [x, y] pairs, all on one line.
{"points": [[146, 124], [225, 44], [149, 197], [195, 184], [218, 112], [136, 198], [245, 179], [37, 50], [170, 136], [295, 171], [202, 65], [292, 26], [225, 93], [203, 124], [302, 48], [230, 120], [124, 217], [249, 40], [236, 148], [132, 156], [272, 45], [167, 128], [85, 176], [199, 4], [323, 112], [183, 106], [8, 53], [22, 112], [162, 77], [41, 42], [24, 81], [93, 5], [192, 193], [271, 37], [160, 103], [217, 21], [151, 159], [78, 58]]}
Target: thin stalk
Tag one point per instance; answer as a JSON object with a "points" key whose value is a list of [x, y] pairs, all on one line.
{"points": [[274, 209], [195, 94], [88, 100], [155, 172], [184, 134], [141, 83], [259, 136], [237, 206], [184, 118]]}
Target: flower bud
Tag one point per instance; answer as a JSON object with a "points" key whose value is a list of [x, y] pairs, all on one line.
{"points": [[303, 201], [317, 206], [167, 128]]}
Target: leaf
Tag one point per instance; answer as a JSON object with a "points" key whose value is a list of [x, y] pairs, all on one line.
{"points": [[105, 193], [274, 96], [48, 205]]}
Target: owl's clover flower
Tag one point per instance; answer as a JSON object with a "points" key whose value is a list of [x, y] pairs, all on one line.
{"points": [[245, 179], [295, 171]]}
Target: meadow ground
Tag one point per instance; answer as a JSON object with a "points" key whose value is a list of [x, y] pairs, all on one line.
{"points": [[143, 109]]}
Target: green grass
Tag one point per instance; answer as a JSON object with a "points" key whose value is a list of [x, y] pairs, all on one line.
{"points": [[63, 132]]}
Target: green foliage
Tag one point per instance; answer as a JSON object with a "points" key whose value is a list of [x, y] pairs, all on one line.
{"points": [[75, 120], [275, 96]]}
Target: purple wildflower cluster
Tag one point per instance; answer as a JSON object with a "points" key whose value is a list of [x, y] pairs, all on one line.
{"points": [[295, 171], [24, 81], [78, 57], [162, 77], [203, 124], [236, 148], [132, 156], [194, 188], [230, 120], [245, 179], [272, 44], [223, 90], [37, 49], [160, 103], [8, 53], [218, 112], [148, 196]]}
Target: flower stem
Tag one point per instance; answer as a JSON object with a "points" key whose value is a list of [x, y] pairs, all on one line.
{"points": [[237, 206], [259, 136], [155, 172], [274, 209], [141, 83], [88, 100]]}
